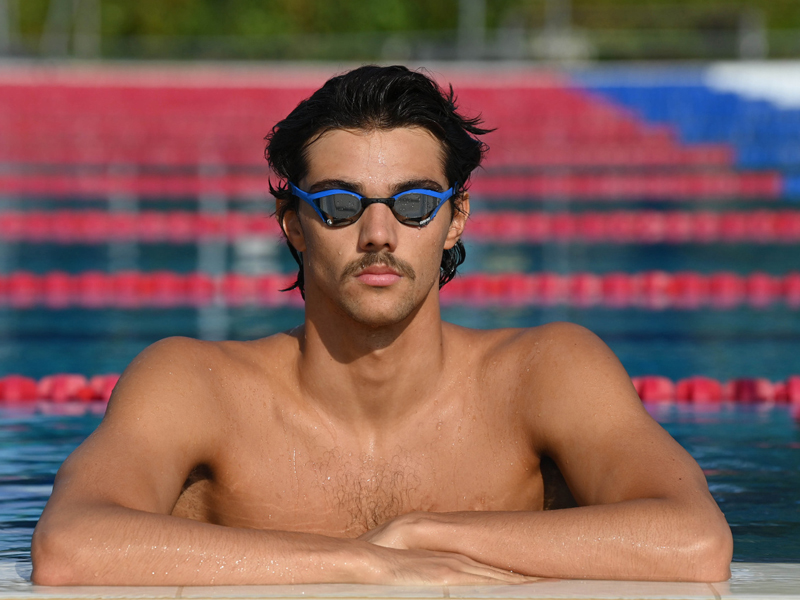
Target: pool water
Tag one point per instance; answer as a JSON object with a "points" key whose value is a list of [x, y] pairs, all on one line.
{"points": [[723, 344], [750, 454]]}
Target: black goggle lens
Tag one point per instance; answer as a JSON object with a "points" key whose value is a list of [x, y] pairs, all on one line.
{"points": [[340, 206], [343, 208]]}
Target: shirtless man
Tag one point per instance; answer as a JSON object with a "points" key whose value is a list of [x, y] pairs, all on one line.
{"points": [[376, 443]]}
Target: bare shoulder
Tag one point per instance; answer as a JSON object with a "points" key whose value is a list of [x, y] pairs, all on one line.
{"points": [[170, 372], [566, 372], [534, 352], [573, 365], [167, 415], [151, 436], [567, 350], [551, 355], [180, 371], [583, 411]]}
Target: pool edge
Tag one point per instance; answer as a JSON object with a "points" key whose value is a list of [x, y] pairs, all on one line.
{"points": [[750, 581]]}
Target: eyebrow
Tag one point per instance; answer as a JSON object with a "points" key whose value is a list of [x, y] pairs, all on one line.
{"points": [[351, 186]]}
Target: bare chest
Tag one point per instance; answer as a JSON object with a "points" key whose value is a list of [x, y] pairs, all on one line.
{"points": [[333, 485]]}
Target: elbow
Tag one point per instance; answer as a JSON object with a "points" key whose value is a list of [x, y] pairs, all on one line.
{"points": [[712, 553], [52, 559]]}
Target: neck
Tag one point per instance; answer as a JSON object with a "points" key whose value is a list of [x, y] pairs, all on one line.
{"points": [[371, 376]]}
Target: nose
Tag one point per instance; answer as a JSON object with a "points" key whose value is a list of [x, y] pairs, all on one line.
{"points": [[377, 229]]}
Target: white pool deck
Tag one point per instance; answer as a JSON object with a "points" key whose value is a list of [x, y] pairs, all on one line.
{"points": [[750, 581]]}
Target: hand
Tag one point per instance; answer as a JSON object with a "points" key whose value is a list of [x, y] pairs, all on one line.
{"points": [[423, 567], [407, 564], [395, 533]]}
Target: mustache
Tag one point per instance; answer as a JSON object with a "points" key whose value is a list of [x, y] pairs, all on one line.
{"points": [[385, 259]]}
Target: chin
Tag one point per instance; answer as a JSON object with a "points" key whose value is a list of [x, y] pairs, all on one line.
{"points": [[379, 312]]}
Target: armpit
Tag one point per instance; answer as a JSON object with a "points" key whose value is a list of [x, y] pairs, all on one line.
{"points": [[194, 501], [556, 491]]}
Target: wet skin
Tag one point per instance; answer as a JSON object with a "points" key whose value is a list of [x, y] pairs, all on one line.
{"points": [[333, 471], [375, 443], [293, 467]]}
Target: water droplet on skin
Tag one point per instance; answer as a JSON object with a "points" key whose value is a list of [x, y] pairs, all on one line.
{"points": [[438, 428]]}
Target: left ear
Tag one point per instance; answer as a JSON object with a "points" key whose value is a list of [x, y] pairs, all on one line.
{"points": [[459, 220]]}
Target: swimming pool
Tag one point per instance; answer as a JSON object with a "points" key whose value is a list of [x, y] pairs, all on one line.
{"points": [[668, 142], [749, 453], [676, 343]]}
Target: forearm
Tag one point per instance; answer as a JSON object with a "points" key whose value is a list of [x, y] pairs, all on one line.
{"points": [[112, 545], [639, 539]]}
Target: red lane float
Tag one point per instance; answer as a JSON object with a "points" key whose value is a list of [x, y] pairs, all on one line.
{"points": [[637, 227], [64, 387], [96, 226], [618, 227], [60, 387], [652, 290], [704, 390]]}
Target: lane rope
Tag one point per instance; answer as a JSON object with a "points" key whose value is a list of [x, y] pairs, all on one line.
{"points": [[71, 387], [507, 227], [651, 290]]}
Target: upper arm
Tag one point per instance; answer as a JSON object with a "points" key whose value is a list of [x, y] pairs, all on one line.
{"points": [[151, 437], [589, 419]]}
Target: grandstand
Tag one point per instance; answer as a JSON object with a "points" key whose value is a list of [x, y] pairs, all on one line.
{"points": [[601, 135]]}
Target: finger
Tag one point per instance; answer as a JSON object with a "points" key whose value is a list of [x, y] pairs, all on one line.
{"points": [[483, 579], [489, 572], [503, 575], [480, 565]]}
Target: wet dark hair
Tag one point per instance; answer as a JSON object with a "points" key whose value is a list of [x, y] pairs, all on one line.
{"points": [[370, 98]]}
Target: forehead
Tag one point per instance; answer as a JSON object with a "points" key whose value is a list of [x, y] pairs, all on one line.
{"points": [[376, 156]]}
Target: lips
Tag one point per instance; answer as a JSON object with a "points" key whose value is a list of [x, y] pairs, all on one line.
{"points": [[378, 268], [378, 276]]}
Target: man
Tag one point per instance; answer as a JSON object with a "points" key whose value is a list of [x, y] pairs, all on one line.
{"points": [[376, 443]]}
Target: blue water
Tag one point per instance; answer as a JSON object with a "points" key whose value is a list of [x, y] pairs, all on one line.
{"points": [[723, 344], [750, 454]]}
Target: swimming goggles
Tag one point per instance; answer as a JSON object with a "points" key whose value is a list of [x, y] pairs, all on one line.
{"points": [[338, 208]]}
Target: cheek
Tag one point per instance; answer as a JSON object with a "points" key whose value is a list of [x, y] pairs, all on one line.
{"points": [[430, 254], [324, 253]]}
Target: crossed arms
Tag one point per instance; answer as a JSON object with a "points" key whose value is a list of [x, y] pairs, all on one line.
{"points": [[645, 511]]}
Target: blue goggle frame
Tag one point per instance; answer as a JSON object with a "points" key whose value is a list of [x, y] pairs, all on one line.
{"points": [[351, 205]]}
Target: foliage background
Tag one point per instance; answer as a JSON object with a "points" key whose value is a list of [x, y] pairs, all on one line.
{"points": [[263, 17], [650, 29]]}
